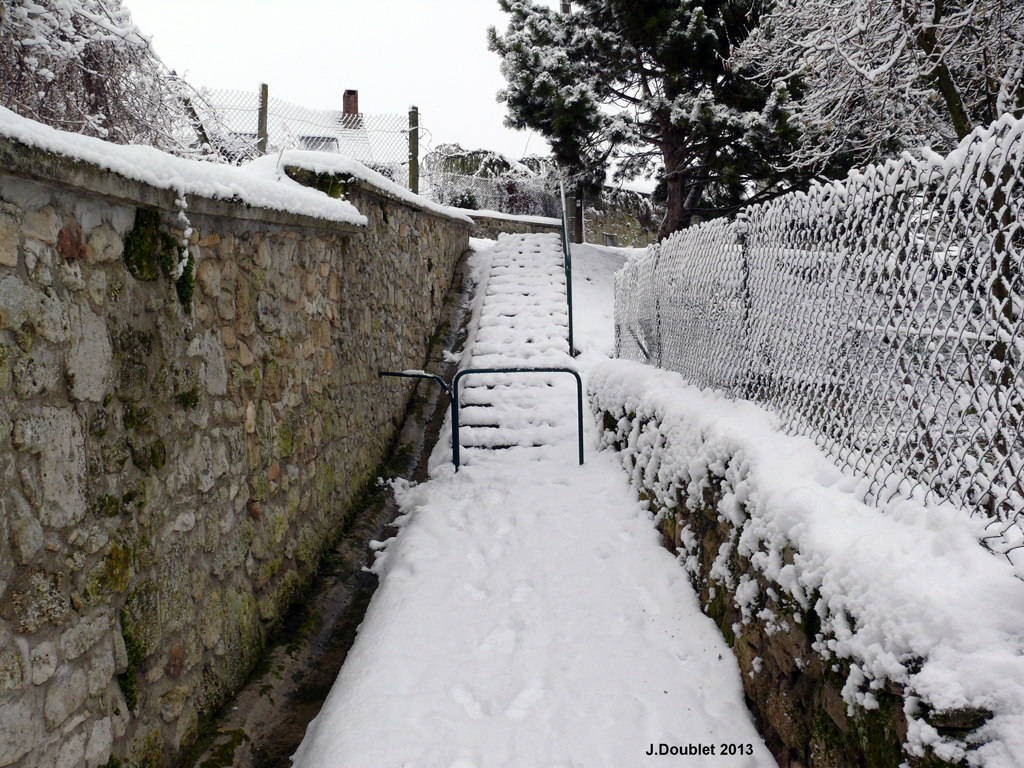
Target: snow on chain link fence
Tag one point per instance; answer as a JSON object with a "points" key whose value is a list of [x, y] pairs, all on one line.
{"points": [[517, 196], [231, 120], [881, 316]]}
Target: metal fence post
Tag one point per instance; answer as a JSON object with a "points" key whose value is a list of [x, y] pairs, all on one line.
{"points": [[577, 224], [261, 127], [414, 150]]}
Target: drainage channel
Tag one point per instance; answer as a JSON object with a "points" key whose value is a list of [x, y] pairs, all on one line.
{"points": [[264, 724]]}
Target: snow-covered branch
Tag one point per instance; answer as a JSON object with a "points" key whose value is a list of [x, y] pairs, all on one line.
{"points": [[83, 66], [869, 78]]}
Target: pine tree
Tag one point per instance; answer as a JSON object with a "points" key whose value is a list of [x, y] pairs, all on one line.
{"points": [[646, 83]]}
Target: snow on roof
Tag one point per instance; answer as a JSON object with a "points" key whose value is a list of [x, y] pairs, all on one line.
{"points": [[315, 129], [328, 162], [251, 184]]}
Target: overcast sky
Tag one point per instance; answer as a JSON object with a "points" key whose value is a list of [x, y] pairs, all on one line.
{"points": [[431, 53]]}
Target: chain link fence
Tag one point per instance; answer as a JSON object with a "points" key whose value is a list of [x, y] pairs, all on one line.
{"points": [[230, 120], [881, 316]]}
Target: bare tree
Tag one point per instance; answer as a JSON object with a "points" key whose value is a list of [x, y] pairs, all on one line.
{"points": [[83, 66], [868, 78]]}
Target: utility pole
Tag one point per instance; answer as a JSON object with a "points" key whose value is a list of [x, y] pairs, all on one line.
{"points": [[577, 223]]}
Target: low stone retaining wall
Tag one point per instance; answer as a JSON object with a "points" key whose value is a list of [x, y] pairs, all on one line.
{"points": [[815, 707], [175, 458], [793, 693], [490, 227]]}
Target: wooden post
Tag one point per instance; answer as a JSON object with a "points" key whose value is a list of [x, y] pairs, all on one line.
{"points": [[577, 224], [414, 150], [261, 127]]}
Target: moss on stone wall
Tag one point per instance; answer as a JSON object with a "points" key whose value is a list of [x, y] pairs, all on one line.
{"points": [[129, 680], [336, 185], [149, 251], [185, 286], [146, 247]]}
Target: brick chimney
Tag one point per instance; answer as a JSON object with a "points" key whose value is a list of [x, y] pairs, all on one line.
{"points": [[350, 103]]}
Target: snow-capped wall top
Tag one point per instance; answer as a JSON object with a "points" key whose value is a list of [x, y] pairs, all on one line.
{"points": [[328, 162], [252, 185], [486, 214]]}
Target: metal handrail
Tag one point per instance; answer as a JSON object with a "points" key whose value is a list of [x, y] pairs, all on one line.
{"points": [[453, 391], [469, 371], [416, 374]]}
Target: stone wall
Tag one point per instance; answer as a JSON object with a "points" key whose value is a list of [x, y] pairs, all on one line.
{"points": [[490, 227], [175, 458], [621, 218], [619, 227]]}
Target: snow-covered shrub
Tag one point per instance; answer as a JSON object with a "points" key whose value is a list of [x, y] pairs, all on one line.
{"points": [[486, 180]]}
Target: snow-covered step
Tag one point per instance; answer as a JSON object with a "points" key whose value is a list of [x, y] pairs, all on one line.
{"points": [[523, 323]]}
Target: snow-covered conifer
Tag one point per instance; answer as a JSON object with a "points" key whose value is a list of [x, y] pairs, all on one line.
{"points": [[647, 85]]}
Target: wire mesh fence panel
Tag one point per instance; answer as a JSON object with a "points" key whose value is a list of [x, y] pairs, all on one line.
{"points": [[489, 181], [231, 121], [518, 196], [389, 146], [881, 316], [687, 300]]}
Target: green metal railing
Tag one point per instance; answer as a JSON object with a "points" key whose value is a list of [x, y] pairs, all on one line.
{"points": [[567, 254], [453, 393], [469, 371], [417, 374]]}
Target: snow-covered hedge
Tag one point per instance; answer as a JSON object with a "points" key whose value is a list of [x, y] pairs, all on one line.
{"points": [[902, 593]]}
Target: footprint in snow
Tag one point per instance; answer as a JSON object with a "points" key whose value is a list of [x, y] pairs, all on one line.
{"points": [[465, 699], [475, 593], [500, 640], [521, 592], [648, 603], [522, 703]]}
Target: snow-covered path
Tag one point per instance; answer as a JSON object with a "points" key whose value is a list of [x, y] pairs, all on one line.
{"points": [[527, 614]]}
